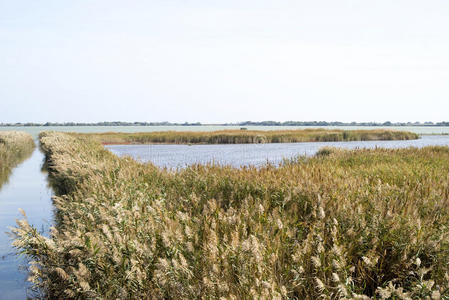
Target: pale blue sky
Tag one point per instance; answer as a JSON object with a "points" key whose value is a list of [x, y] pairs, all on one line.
{"points": [[224, 61]]}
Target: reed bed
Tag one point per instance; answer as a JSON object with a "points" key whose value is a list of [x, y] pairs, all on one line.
{"points": [[249, 136], [15, 147], [344, 224]]}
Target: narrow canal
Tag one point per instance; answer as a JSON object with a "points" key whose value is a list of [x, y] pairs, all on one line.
{"points": [[27, 188]]}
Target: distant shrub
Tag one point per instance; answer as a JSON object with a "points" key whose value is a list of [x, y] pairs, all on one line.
{"points": [[325, 151]]}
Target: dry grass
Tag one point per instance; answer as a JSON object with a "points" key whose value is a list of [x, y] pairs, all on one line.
{"points": [[14, 148], [343, 224], [248, 136]]}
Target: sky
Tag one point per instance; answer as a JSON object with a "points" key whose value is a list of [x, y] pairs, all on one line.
{"points": [[224, 61]]}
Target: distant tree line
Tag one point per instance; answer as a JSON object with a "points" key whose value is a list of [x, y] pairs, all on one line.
{"points": [[114, 123], [246, 123], [336, 123]]}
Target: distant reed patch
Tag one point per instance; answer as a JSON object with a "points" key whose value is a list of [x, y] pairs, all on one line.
{"points": [[248, 136]]}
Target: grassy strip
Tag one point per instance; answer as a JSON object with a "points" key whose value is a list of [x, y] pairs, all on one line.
{"points": [[343, 224], [14, 148], [249, 136]]}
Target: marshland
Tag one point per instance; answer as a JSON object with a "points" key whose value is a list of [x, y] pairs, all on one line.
{"points": [[361, 223], [244, 136], [224, 149]]}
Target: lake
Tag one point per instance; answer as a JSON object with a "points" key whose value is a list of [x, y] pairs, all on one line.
{"points": [[34, 131], [174, 156]]}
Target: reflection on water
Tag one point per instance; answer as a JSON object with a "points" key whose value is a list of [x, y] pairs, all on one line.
{"points": [[12, 161], [174, 156], [27, 188]]}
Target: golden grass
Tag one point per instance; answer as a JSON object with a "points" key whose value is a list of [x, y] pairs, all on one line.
{"points": [[248, 136], [341, 225], [14, 148]]}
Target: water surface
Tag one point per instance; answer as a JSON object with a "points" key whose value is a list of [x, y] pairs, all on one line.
{"points": [[27, 189], [173, 156]]}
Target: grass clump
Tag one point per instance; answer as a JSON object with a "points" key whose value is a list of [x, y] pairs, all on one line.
{"points": [[249, 136], [351, 224], [14, 148]]}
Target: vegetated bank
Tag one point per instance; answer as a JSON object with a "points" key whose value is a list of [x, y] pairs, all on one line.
{"points": [[248, 136], [342, 224], [15, 147]]}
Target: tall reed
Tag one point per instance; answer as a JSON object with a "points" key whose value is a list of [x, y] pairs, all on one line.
{"points": [[14, 148], [249, 136], [345, 224]]}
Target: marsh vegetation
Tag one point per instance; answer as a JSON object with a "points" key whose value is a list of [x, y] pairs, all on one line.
{"points": [[248, 136], [14, 148], [341, 224]]}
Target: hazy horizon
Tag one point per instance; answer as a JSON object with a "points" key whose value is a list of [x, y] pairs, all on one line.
{"points": [[161, 123], [217, 62]]}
